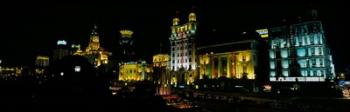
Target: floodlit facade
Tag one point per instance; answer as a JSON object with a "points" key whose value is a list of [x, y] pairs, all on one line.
{"points": [[161, 60], [298, 52], [42, 61], [183, 50], [235, 60], [94, 52], [7, 72], [134, 71]]}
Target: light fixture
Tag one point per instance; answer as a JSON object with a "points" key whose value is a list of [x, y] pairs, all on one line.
{"points": [[77, 69]]}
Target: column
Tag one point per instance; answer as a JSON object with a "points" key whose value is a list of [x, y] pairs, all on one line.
{"points": [[212, 67], [228, 65], [219, 67]]}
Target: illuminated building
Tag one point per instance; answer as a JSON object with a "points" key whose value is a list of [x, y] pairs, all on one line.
{"points": [[161, 60], [94, 52], [129, 68], [231, 60], [75, 48], [134, 71], [126, 44], [183, 50], [160, 68], [61, 50], [264, 33], [6, 72], [299, 53], [42, 61]]}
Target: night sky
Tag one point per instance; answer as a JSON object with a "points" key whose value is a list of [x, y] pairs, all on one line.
{"points": [[29, 30]]}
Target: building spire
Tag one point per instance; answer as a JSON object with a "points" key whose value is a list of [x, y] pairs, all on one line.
{"points": [[94, 30], [176, 19]]}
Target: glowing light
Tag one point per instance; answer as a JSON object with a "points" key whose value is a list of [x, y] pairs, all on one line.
{"points": [[77, 69], [61, 73], [176, 21], [61, 42], [126, 33], [197, 87], [263, 33], [42, 58], [267, 88], [192, 17]]}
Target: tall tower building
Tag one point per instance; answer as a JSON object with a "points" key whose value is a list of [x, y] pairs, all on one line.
{"points": [[126, 43], [94, 52], [183, 49], [131, 69], [61, 50]]}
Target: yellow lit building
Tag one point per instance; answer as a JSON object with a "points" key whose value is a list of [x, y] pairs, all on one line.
{"points": [[42, 61], [161, 60], [10, 71], [223, 60], [134, 71], [94, 52]]}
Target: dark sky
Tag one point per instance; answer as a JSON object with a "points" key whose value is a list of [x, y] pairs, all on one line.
{"points": [[31, 29]]}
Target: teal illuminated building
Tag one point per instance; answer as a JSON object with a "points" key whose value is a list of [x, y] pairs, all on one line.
{"points": [[299, 53]]}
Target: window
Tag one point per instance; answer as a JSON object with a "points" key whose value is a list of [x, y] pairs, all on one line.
{"points": [[312, 50], [313, 62], [173, 61], [320, 51], [189, 59]]}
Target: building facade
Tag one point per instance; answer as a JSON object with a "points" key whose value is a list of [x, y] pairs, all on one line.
{"points": [[134, 71], [161, 68], [41, 64], [299, 53], [236, 60], [183, 50]]}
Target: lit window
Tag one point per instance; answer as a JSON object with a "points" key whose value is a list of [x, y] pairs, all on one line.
{"points": [[272, 73], [284, 53], [272, 65], [272, 54], [285, 73], [301, 52], [285, 63]]}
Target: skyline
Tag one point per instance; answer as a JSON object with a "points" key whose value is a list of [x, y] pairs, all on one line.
{"points": [[34, 31]]}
